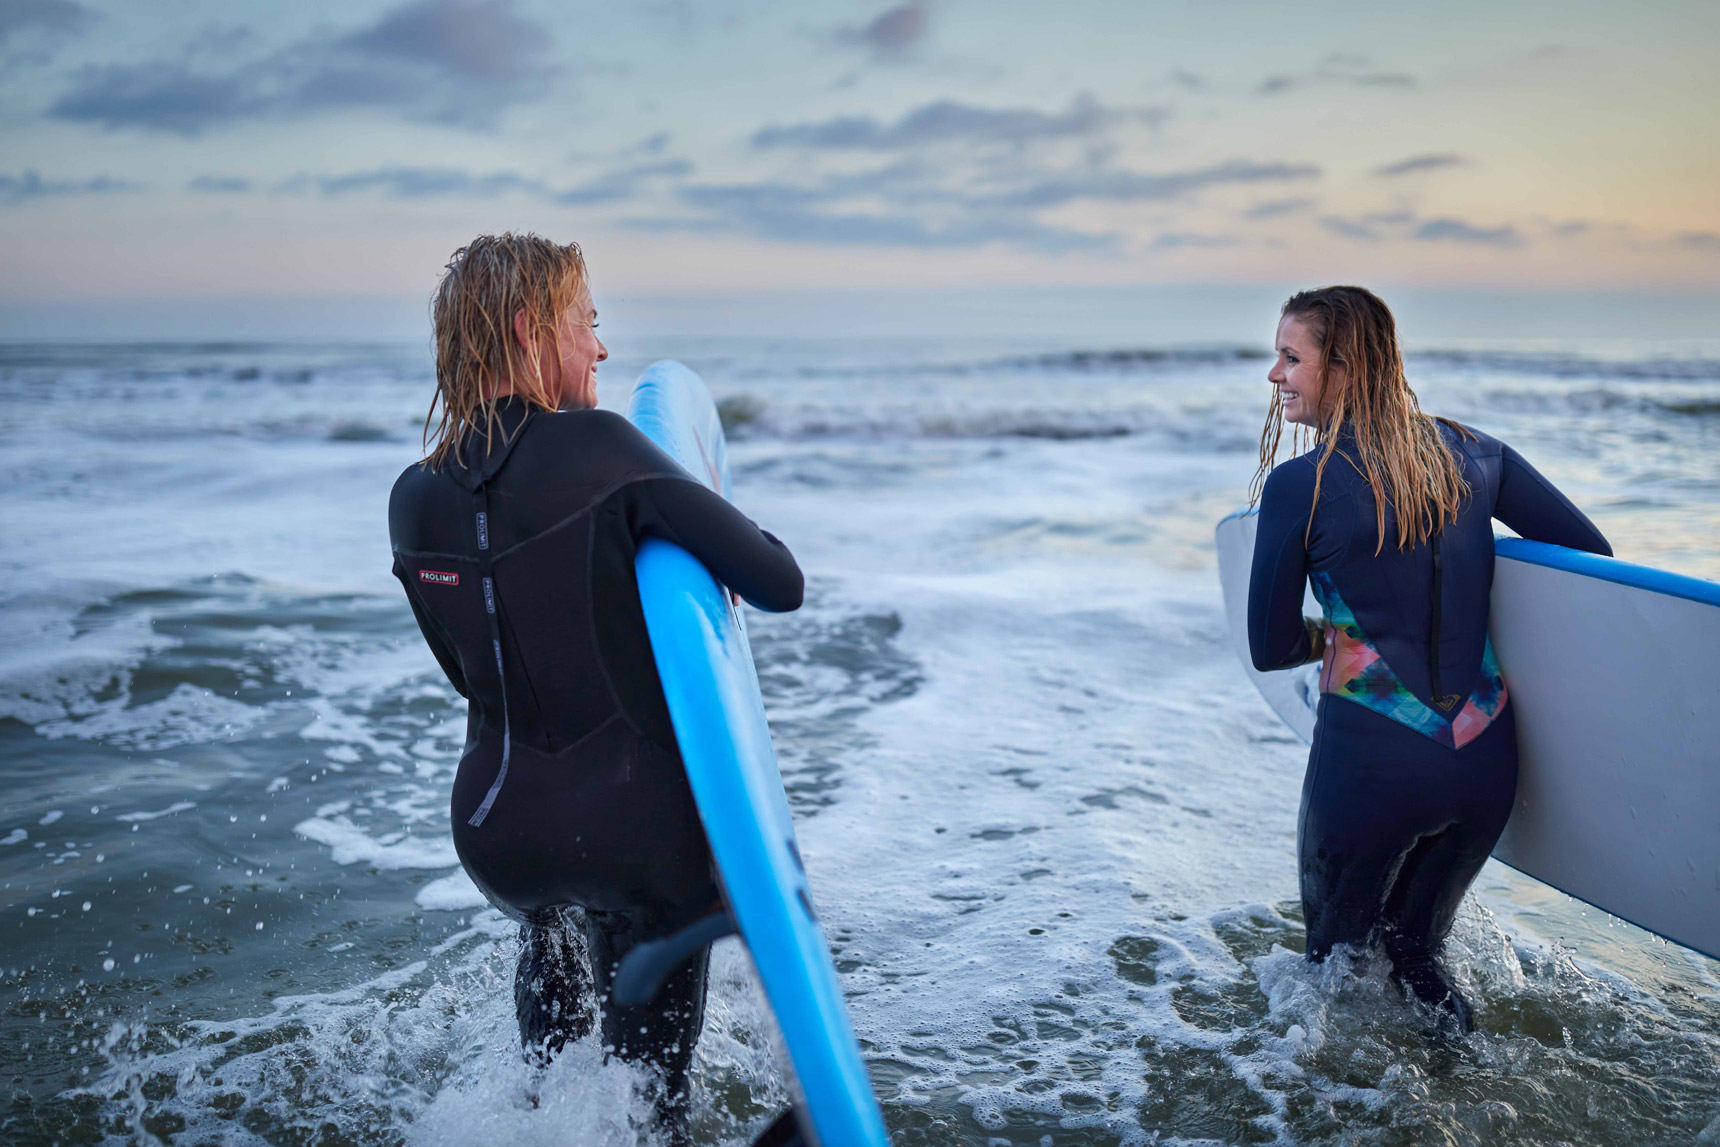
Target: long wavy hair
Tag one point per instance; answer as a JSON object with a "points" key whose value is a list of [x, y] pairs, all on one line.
{"points": [[485, 284], [1372, 419]]}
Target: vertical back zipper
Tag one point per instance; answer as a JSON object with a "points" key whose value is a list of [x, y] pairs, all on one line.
{"points": [[1445, 701], [486, 577]]}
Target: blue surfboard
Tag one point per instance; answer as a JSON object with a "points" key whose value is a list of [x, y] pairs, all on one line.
{"points": [[1614, 673], [706, 667]]}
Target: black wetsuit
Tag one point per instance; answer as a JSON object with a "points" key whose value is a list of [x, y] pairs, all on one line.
{"points": [[571, 792], [1414, 763]]}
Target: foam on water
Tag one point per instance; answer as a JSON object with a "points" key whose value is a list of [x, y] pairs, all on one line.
{"points": [[1050, 829]]}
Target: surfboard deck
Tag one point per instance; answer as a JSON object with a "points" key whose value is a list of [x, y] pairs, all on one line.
{"points": [[699, 641], [1614, 673]]}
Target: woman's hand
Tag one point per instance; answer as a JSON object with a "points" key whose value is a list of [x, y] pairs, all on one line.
{"points": [[1316, 628]]}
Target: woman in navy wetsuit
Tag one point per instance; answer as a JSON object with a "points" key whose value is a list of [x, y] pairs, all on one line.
{"points": [[515, 542], [1414, 763]]}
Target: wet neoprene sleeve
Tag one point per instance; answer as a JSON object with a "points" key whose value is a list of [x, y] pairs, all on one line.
{"points": [[748, 560], [1533, 506], [1277, 639]]}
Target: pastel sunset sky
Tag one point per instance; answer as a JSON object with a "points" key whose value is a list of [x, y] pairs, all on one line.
{"points": [[168, 149]]}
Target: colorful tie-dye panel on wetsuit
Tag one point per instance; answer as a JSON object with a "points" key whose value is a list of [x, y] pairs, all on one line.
{"points": [[1353, 668]]}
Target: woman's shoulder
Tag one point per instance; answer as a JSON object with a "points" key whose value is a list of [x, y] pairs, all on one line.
{"points": [[1292, 478], [1463, 437], [596, 441]]}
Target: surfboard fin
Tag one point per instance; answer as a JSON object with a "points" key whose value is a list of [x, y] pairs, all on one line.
{"points": [[643, 970]]}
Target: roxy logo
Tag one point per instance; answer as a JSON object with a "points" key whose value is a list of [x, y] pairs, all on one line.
{"points": [[437, 577]]}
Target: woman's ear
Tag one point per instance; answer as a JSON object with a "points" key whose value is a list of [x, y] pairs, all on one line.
{"points": [[524, 335]]}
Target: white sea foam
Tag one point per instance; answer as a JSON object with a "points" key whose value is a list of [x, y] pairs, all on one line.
{"points": [[349, 844], [1050, 829], [454, 892], [175, 807]]}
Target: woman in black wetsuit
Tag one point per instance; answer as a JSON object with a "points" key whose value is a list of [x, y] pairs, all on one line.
{"points": [[1414, 763], [515, 541]]}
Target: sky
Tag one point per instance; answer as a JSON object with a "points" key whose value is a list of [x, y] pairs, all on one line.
{"points": [[157, 152]]}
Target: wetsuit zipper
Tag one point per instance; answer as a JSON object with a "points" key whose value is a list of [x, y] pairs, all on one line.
{"points": [[1440, 698], [487, 579]]}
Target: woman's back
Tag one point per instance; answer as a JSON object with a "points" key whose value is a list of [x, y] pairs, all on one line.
{"points": [[1386, 609], [568, 495]]}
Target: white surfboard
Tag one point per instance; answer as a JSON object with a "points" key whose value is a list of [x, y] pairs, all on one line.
{"points": [[1614, 672]]}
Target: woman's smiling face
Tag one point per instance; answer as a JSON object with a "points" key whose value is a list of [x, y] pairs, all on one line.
{"points": [[578, 351], [1296, 373]]}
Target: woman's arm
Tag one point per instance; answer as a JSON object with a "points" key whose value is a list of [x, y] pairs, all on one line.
{"points": [[739, 554], [1277, 637], [444, 652], [1533, 506]]}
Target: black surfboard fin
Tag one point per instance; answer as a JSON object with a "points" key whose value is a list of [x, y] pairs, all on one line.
{"points": [[643, 970]]}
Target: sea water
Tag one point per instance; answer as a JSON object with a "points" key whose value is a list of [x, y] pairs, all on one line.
{"points": [[1050, 827]]}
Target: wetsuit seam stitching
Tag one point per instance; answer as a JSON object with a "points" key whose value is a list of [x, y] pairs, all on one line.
{"points": [[596, 729], [596, 644], [590, 506], [401, 550]]}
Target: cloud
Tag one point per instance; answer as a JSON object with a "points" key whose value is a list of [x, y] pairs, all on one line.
{"points": [[614, 186], [1380, 225], [416, 183], [1177, 240], [1190, 80], [1349, 228], [219, 185], [456, 62], [767, 220], [949, 122], [1419, 163], [913, 202], [1448, 230], [164, 96], [622, 183], [1130, 186], [28, 185], [1337, 68], [890, 33], [1698, 240], [1276, 208], [479, 40], [1385, 80], [54, 16]]}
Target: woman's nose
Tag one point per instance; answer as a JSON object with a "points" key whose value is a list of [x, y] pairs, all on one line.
{"points": [[1276, 375], [602, 351]]}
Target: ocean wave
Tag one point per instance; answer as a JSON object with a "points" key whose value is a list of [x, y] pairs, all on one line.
{"points": [[1221, 430], [1132, 358], [1570, 365]]}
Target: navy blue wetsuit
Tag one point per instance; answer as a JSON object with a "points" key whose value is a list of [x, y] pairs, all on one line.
{"points": [[1414, 763], [571, 790]]}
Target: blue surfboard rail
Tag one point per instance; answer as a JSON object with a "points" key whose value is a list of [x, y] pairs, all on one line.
{"points": [[1608, 569], [709, 680], [1589, 565]]}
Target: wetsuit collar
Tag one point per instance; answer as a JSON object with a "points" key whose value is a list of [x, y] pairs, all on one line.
{"points": [[511, 415]]}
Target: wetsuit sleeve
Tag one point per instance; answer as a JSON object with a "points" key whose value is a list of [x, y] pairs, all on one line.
{"points": [[1533, 506], [743, 557], [1277, 639], [444, 652]]}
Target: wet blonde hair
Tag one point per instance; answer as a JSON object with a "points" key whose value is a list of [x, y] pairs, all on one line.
{"points": [[1399, 450], [485, 284]]}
